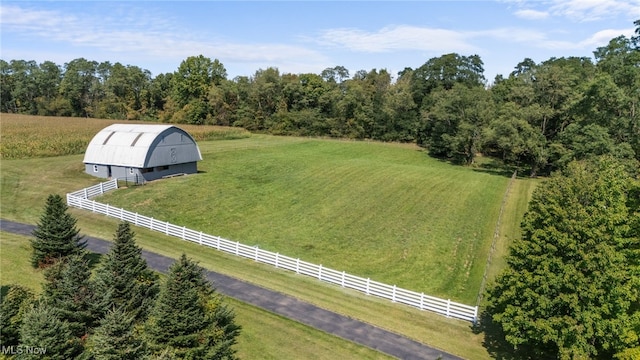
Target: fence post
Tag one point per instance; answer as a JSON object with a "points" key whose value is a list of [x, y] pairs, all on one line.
{"points": [[76, 200]]}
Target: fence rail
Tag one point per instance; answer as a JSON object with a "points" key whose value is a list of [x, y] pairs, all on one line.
{"points": [[81, 199]]}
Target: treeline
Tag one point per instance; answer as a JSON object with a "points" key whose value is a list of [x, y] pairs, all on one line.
{"points": [[540, 116], [117, 309]]}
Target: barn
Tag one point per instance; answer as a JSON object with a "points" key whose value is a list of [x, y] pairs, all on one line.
{"points": [[141, 153]]}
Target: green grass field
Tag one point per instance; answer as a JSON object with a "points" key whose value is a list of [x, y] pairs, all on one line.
{"points": [[260, 181], [257, 324], [383, 211]]}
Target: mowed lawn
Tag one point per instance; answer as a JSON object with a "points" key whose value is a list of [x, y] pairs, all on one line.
{"points": [[257, 324], [26, 182], [384, 211]]}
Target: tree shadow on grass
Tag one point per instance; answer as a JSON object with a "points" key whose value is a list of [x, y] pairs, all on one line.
{"points": [[494, 340], [494, 167], [484, 164], [497, 346], [4, 290]]}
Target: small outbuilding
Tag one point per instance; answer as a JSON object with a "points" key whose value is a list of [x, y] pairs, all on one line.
{"points": [[141, 153]]}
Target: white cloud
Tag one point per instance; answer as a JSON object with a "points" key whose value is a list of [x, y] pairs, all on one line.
{"points": [[394, 38], [146, 34], [578, 10], [603, 37], [542, 40], [589, 10], [517, 35], [530, 14], [17, 18]]}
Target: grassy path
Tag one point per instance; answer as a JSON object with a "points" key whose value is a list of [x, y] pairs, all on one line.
{"points": [[515, 208]]}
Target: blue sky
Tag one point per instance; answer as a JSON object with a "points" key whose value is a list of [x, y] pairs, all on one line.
{"points": [[309, 36]]}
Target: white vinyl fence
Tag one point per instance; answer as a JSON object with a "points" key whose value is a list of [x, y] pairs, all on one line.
{"points": [[81, 199]]}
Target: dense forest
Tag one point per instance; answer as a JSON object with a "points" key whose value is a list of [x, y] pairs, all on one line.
{"points": [[539, 117]]}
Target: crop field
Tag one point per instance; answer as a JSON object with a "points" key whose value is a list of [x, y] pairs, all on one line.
{"points": [[39, 136], [387, 211]]}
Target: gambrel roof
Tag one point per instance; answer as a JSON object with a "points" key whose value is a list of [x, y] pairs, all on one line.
{"points": [[141, 146]]}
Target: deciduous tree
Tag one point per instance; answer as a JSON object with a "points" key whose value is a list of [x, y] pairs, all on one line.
{"points": [[571, 286], [453, 126]]}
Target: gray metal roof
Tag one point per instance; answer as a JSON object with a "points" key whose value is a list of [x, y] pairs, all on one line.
{"points": [[130, 145]]}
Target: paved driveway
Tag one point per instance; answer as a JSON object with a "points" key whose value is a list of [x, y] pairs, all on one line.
{"points": [[284, 305]]}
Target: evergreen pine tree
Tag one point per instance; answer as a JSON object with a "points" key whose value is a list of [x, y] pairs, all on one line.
{"points": [[41, 328], [69, 292], [122, 279], [12, 309], [189, 319], [115, 338], [56, 235], [222, 332]]}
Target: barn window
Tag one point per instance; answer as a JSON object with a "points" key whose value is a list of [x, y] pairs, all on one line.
{"points": [[161, 168], [95, 168], [146, 170]]}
